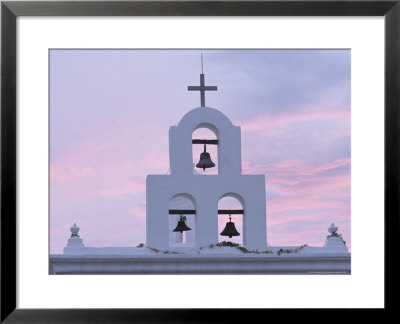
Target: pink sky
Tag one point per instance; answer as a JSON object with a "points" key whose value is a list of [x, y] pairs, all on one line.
{"points": [[110, 113]]}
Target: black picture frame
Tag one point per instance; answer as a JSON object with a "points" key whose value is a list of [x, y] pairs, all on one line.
{"points": [[10, 10]]}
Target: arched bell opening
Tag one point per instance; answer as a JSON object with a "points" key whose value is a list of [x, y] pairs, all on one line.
{"points": [[230, 219], [205, 150], [182, 212]]}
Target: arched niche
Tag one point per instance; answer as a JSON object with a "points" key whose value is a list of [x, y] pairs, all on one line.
{"points": [[181, 201], [205, 131], [228, 135], [231, 201]]}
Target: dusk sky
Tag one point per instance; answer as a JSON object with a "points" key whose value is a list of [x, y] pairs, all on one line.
{"points": [[110, 114]]}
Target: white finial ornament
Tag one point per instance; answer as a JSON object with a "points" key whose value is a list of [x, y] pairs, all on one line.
{"points": [[74, 230], [74, 241], [334, 242], [332, 229]]}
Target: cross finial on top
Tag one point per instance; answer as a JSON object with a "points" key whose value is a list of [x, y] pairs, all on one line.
{"points": [[202, 88]]}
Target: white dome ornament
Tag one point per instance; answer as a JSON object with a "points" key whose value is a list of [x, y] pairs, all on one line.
{"points": [[333, 229], [74, 230]]}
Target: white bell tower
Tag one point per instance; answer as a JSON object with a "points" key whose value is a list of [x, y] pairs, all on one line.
{"points": [[204, 192]]}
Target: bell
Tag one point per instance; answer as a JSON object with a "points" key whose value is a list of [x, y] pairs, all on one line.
{"points": [[181, 225], [205, 160], [230, 229]]}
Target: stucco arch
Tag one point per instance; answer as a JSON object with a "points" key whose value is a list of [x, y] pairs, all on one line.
{"points": [[238, 220], [209, 126], [228, 135], [205, 115], [233, 195], [182, 195], [208, 132], [181, 201]]}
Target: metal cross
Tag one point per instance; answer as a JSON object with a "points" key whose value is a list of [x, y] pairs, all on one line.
{"points": [[202, 88]]}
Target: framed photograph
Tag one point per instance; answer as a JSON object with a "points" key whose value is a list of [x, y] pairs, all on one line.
{"points": [[288, 149], [71, 85]]}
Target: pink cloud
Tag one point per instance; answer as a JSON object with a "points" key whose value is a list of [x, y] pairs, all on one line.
{"points": [[63, 173], [296, 167], [128, 188], [275, 124], [328, 105], [139, 209], [285, 204], [305, 195]]}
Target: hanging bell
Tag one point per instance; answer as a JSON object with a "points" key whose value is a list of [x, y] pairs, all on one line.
{"points": [[205, 160], [230, 229], [181, 227]]}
